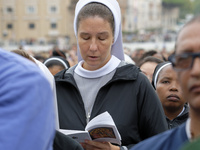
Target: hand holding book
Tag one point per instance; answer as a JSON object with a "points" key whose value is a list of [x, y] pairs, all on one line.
{"points": [[100, 128]]}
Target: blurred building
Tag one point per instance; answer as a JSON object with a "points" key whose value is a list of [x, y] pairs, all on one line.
{"points": [[36, 20], [51, 21], [141, 14], [170, 17]]}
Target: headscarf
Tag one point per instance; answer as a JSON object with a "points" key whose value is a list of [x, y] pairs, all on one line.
{"points": [[117, 48], [157, 71], [57, 59], [51, 80]]}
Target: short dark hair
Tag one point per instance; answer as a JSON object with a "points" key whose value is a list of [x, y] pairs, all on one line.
{"points": [[150, 59], [149, 53], [96, 9], [58, 52]]}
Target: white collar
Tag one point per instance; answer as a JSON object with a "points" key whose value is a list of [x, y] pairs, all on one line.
{"points": [[107, 68], [157, 73], [58, 59], [182, 111], [187, 128]]}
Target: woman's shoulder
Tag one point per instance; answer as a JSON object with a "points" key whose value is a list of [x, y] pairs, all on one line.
{"points": [[128, 66], [64, 73], [170, 139], [127, 70]]}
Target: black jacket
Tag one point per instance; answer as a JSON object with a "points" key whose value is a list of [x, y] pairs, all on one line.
{"points": [[180, 119], [128, 97]]}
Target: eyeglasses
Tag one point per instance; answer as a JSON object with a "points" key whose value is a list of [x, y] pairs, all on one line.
{"points": [[183, 61]]}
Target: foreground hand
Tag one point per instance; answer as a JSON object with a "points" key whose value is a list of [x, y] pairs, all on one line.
{"points": [[94, 145]]}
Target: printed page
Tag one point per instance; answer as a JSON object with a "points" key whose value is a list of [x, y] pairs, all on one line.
{"points": [[103, 128]]}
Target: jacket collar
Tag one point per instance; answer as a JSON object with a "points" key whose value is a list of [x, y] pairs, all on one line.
{"points": [[124, 72]]}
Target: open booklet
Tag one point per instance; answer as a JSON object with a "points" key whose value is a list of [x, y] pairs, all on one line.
{"points": [[101, 128]]}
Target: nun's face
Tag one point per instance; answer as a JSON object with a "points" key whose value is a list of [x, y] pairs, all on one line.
{"points": [[55, 69], [95, 39], [169, 90]]}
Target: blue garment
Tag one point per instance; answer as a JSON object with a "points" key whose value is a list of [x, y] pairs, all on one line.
{"points": [[27, 117], [172, 139]]}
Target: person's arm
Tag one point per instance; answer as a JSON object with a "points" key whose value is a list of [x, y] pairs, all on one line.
{"points": [[152, 117], [65, 142]]}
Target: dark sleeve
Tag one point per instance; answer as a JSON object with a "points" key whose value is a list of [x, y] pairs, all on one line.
{"points": [[151, 115], [63, 142]]}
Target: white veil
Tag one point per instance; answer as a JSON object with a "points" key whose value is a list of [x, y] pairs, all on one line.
{"points": [[117, 47]]}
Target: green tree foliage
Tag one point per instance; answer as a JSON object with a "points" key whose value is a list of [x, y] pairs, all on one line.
{"points": [[176, 2], [196, 7], [184, 5]]}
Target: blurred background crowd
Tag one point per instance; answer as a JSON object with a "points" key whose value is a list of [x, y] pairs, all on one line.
{"points": [[43, 27]]}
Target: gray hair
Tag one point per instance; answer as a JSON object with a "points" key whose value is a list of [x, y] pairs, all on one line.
{"points": [[193, 20]]}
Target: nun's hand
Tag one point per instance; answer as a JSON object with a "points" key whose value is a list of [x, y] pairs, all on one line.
{"points": [[94, 145]]}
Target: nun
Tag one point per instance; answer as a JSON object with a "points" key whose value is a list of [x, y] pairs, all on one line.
{"points": [[56, 64], [103, 81], [165, 82]]}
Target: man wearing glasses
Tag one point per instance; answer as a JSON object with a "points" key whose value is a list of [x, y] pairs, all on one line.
{"points": [[186, 62]]}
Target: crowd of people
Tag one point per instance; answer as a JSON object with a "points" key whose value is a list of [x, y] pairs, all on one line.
{"points": [[153, 99]]}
